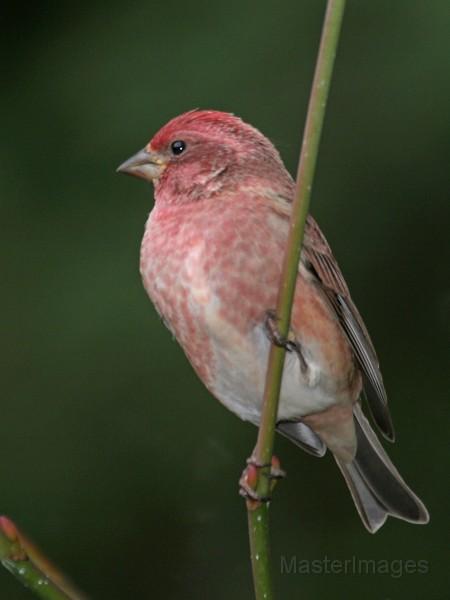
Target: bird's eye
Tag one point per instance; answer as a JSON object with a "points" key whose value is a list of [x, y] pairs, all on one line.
{"points": [[178, 147]]}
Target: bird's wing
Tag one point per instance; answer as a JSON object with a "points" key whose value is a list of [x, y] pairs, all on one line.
{"points": [[318, 258], [303, 436]]}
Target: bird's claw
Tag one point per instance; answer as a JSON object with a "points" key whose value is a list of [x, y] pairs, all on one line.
{"points": [[274, 335], [249, 479], [290, 344], [250, 494]]}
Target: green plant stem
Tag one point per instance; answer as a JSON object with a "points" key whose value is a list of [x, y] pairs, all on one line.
{"points": [[258, 527], [262, 455], [29, 565]]}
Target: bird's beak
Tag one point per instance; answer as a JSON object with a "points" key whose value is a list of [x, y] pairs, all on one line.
{"points": [[145, 164]]}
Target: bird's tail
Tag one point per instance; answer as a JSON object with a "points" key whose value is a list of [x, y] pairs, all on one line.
{"points": [[375, 484]]}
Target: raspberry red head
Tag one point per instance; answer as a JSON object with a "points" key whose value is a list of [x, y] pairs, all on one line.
{"points": [[190, 154], [212, 126]]}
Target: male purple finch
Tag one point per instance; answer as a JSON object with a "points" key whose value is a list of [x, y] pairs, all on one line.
{"points": [[211, 261]]}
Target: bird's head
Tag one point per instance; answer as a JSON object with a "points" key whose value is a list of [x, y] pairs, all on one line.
{"points": [[201, 152]]}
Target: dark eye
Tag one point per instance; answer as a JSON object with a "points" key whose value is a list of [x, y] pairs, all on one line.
{"points": [[178, 147]]}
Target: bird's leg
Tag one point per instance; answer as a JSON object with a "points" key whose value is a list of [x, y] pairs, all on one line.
{"points": [[290, 344], [249, 478]]}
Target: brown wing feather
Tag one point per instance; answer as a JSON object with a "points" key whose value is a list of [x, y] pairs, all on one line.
{"points": [[318, 257]]}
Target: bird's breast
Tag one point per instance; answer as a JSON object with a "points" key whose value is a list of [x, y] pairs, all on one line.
{"points": [[212, 274]]}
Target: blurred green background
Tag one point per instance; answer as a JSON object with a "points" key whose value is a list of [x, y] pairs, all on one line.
{"points": [[113, 456]]}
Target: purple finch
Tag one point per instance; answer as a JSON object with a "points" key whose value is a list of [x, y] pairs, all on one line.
{"points": [[211, 260]]}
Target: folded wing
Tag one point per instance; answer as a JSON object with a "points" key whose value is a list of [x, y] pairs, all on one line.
{"points": [[317, 256]]}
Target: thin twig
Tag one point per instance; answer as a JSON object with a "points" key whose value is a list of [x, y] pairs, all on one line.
{"points": [[29, 565], [258, 511]]}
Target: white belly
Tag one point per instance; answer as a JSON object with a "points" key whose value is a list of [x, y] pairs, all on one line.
{"points": [[240, 378]]}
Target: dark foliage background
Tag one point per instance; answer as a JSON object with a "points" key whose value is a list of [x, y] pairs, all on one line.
{"points": [[113, 456]]}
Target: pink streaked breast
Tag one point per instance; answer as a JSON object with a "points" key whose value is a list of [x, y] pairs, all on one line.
{"points": [[217, 248], [214, 265]]}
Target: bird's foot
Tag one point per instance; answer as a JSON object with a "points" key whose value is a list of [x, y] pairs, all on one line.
{"points": [[270, 325], [290, 344], [248, 482]]}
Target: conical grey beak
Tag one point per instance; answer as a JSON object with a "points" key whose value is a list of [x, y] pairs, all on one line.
{"points": [[144, 164]]}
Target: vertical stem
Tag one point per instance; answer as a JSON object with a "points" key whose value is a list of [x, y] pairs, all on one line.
{"points": [[258, 527], [257, 512]]}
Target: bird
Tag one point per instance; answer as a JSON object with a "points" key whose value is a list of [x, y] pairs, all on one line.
{"points": [[210, 262]]}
